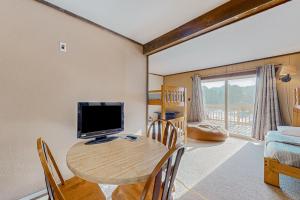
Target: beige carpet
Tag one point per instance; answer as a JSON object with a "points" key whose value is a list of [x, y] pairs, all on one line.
{"points": [[232, 170]]}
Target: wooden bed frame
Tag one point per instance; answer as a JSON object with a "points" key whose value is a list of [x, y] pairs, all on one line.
{"points": [[172, 96], [272, 167]]}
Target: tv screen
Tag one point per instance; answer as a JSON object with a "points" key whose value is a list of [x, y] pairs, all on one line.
{"points": [[99, 119]]}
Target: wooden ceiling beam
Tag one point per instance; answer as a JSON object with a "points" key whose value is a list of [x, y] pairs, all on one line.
{"points": [[221, 16]]}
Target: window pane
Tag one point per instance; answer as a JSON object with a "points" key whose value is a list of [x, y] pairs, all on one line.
{"points": [[214, 102], [241, 99]]}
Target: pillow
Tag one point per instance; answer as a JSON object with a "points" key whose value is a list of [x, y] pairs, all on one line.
{"points": [[291, 131]]}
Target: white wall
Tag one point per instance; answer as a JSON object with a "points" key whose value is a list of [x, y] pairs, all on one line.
{"points": [[40, 86]]}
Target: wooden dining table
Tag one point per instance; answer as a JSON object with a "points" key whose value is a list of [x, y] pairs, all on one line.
{"points": [[117, 162]]}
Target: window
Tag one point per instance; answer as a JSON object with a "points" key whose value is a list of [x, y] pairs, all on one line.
{"points": [[229, 103]]}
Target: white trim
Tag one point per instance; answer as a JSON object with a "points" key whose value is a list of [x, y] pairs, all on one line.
{"points": [[35, 195]]}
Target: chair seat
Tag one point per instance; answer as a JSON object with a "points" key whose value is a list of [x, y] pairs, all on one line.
{"points": [[130, 192], [77, 188]]}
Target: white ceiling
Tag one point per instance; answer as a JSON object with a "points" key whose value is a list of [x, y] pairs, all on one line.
{"points": [[273, 32], [140, 20]]}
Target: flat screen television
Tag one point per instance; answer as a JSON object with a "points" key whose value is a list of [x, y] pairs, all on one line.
{"points": [[98, 120]]}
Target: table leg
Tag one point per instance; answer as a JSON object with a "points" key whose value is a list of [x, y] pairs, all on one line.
{"points": [[108, 190]]}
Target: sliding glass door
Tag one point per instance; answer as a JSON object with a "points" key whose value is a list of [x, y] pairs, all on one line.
{"points": [[214, 102], [229, 103], [241, 99]]}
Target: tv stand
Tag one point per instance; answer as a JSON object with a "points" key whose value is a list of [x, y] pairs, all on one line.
{"points": [[102, 139]]}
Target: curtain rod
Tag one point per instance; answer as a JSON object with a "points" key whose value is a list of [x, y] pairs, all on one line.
{"points": [[234, 73]]}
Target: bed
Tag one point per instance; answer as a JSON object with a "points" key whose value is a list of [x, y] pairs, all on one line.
{"points": [[282, 151], [171, 97], [168, 95], [284, 148]]}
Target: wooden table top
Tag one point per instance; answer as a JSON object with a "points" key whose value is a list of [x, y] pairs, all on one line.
{"points": [[117, 162]]}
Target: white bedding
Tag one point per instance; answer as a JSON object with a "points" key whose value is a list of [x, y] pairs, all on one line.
{"points": [[284, 148]]}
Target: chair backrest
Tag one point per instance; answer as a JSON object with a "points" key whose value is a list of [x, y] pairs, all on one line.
{"points": [[163, 184], [170, 132], [48, 163], [180, 124]]}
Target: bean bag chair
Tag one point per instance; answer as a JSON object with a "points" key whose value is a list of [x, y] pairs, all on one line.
{"points": [[206, 132]]}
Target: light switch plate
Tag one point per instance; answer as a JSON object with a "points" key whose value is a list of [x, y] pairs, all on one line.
{"points": [[63, 47]]}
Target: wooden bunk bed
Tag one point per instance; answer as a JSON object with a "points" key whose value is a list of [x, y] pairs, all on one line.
{"points": [[272, 167], [171, 97]]}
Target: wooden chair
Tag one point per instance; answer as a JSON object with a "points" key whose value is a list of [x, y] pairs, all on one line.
{"points": [[170, 132], [160, 183], [71, 189]]}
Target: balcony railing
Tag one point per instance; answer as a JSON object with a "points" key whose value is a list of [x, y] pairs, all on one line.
{"points": [[239, 118]]}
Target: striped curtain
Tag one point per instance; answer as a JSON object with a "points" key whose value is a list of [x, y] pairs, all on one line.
{"points": [[266, 111], [196, 113]]}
